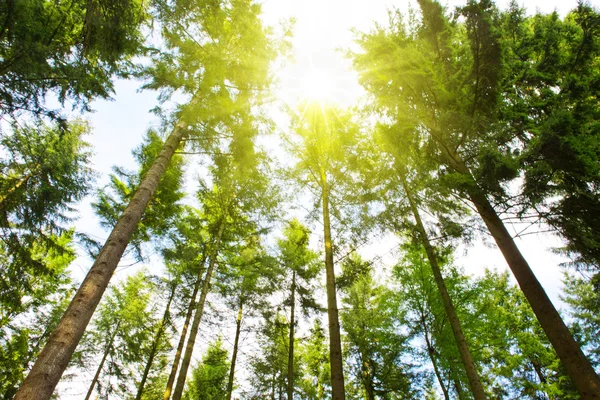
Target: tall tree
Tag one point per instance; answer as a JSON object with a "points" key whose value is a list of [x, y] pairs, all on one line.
{"points": [[300, 262], [313, 352], [44, 172], [374, 348], [233, 40], [25, 326], [448, 96], [188, 253], [164, 206], [245, 283], [550, 111], [124, 323], [327, 136]]}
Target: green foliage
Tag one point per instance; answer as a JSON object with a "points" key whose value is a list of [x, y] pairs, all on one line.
{"points": [[164, 207], [43, 172], [374, 347], [209, 378], [30, 307], [122, 327], [315, 382], [299, 266], [71, 48], [583, 297], [269, 368], [556, 112]]}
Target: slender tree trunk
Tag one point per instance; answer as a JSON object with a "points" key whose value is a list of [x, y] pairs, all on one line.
{"points": [[579, 368], [54, 358], [273, 386], [368, 382], [290, 371], [458, 388], [459, 336], [335, 342], [99, 369], [184, 329], [189, 349], [431, 354], [236, 342], [155, 344]]}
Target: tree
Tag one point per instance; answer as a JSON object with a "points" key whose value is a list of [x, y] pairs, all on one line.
{"points": [[326, 138], [269, 369], [188, 254], [249, 277], [374, 348], [123, 325], [550, 112], [209, 379], [44, 171], [249, 52], [448, 97], [164, 206], [583, 297], [297, 259], [316, 379], [25, 327], [71, 49]]}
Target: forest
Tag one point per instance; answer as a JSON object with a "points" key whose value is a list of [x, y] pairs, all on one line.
{"points": [[234, 262]]}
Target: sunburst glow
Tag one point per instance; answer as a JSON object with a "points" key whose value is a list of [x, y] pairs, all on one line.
{"points": [[317, 86]]}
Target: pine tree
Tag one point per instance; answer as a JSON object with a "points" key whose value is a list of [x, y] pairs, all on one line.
{"points": [[251, 53], [448, 98]]}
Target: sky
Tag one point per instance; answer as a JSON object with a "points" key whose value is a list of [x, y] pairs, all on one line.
{"points": [[322, 31]]}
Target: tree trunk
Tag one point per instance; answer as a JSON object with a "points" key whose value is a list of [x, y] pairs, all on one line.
{"points": [[155, 344], [335, 343], [184, 330], [368, 382], [578, 367], [99, 370], [54, 358], [290, 371], [236, 342], [189, 349], [273, 386], [458, 387], [459, 336], [431, 354]]}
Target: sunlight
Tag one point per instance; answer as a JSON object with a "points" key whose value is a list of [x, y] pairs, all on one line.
{"points": [[317, 86]]}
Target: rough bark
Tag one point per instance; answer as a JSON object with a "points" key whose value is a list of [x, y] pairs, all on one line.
{"points": [[184, 329], [155, 344], [189, 349], [290, 371], [54, 358], [236, 342], [578, 367], [335, 343], [101, 365], [461, 343]]}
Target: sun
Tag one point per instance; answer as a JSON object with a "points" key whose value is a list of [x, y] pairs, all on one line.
{"points": [[318, 86]]}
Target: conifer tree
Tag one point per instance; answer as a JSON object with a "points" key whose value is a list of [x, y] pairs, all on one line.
{"points": [[448, 97], [237, 51]]}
